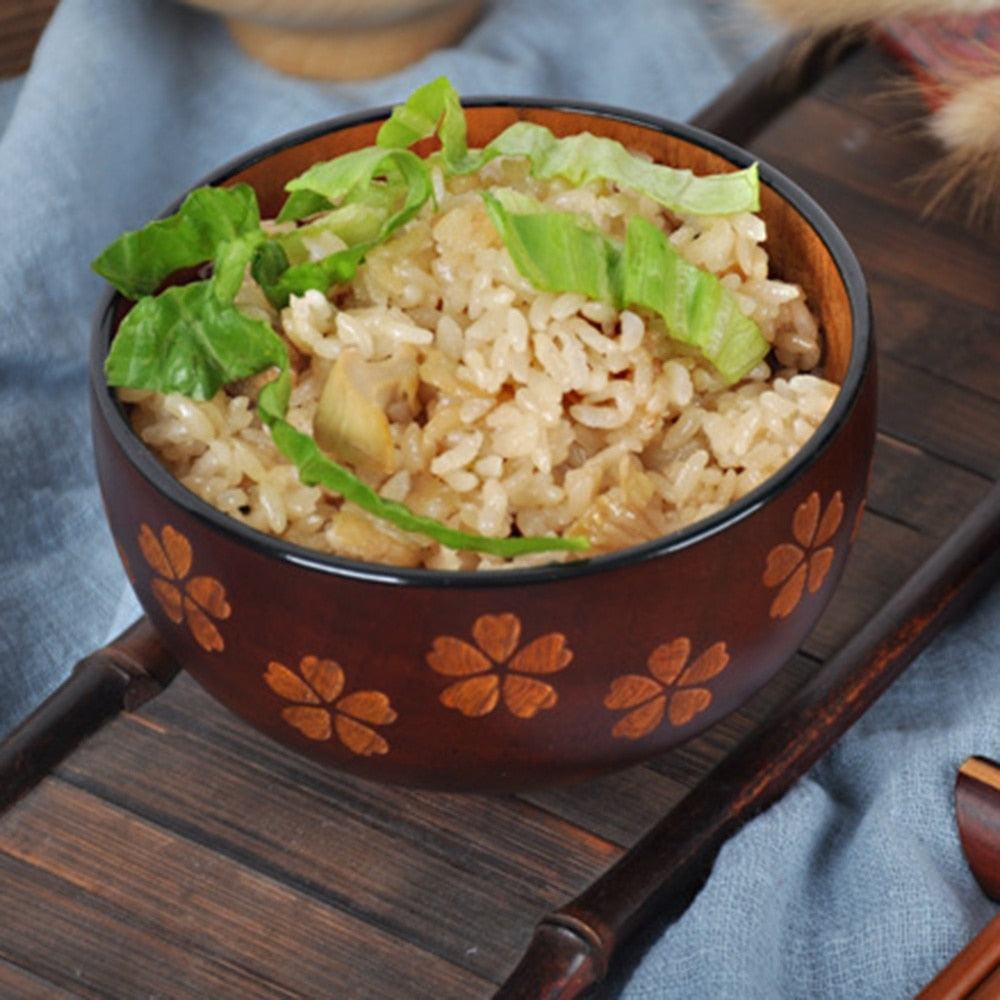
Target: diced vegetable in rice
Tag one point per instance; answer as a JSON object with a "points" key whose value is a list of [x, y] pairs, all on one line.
{"points": [[450, 385], [531, 411]]}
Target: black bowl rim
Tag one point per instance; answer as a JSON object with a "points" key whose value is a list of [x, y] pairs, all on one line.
{"points": [[272, 547]]}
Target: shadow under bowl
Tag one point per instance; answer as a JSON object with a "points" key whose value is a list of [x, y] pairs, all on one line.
{"points": [[499, 680]]}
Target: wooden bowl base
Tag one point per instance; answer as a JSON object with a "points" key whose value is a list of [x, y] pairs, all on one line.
{"points": [[354, 52]]}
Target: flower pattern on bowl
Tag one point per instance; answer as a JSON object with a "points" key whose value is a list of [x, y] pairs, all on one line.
{"points": [[674, 687], [497, 668], [199, 600], [319, 709], [803, 563]]}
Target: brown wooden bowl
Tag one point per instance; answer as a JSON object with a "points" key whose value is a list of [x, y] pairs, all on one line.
{"points": [[350, 662]]}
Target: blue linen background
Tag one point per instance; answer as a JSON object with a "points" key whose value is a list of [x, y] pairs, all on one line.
{"points": [[130, 102], [853, 886]]}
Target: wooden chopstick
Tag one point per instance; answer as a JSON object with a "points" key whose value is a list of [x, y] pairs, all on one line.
{"points": [[974, 973], [572, 947]]}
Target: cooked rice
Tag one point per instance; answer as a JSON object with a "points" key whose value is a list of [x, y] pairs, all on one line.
{"points": [[536, 413]]}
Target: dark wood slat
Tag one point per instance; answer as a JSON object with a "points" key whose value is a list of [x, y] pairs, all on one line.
{"points": [[189, 731], [21, 23], [873, 91], [429, 851], [221, 930], [944, 335], [906, 489], [126, 673], [25, 985], [775, 81], [940, 417]]}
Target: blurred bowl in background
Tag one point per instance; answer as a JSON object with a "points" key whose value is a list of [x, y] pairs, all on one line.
{"points": [[343, 39]]}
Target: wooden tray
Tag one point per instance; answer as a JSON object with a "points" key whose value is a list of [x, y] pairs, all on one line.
{"points": [[175, 852]]}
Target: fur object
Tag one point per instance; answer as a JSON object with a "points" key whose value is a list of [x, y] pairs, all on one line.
{"points": [[817, 14], [952, 48]]}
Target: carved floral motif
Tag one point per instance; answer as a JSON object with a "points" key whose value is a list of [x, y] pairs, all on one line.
{"points": [[674, 687], [496, 668], [803, 563], [319, 708], [198, 600]]}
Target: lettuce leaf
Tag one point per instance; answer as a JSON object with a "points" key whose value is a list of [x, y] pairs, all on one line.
{"points": [[435, 110], [561, 252], [586, 157], [353, 224], [316, 468], [555, 252], [193, 339], [696, 307], [382, 189], [432, 110], [138, 262], [186, 340], [367, 174]]}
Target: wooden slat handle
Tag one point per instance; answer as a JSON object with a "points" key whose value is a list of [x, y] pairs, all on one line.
{"points": [[977, 813], [665, 869], [973, 972], [122, 675]]}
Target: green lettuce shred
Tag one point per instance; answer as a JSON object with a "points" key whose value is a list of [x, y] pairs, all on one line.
{"points": [[432, 110], [696, 307], [393, 184], [315, 468], [559, 252], [186, 341], [193, 339], [585, 157], [138, 262]]}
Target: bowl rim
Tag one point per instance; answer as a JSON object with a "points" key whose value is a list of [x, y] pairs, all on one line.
{"points": [[861, 357]]}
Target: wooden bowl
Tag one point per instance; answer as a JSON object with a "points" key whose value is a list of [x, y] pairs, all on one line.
{"points": [[343, 39], [362, 666]]}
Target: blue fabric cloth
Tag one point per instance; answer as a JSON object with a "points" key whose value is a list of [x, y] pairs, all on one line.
{"points": [[128, 103], [853, 885]]}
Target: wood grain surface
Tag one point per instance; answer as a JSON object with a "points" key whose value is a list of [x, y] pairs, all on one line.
{"points": [[177, 853], [21, 23]]}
